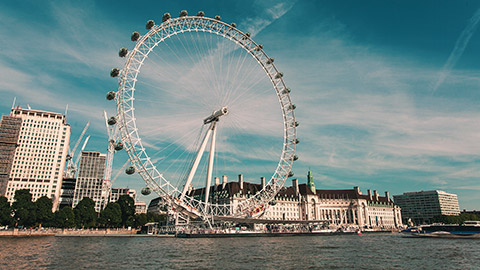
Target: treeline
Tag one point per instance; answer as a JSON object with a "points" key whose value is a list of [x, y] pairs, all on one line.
{"points": [[25, 213], [455, 219]]}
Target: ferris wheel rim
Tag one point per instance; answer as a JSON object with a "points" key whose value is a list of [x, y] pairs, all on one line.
{"points": [[126, 110]]}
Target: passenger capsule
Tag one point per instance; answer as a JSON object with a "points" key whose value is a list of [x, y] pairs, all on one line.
{"points": [[166, 17], [123, 52], [297, 141], [150, 24], [290, 174], [111, 95], [279, 75], [114, 73], [259, 47], [135, 36], [118, 146], [112, 121], [247, 35], [183, 13], [146, 191], [295, 157], [292, 107], [200, 14], [295, 124], [270, 61], [218, 18], [234, 25], [130, 170], [272, 203], [286, 91]]}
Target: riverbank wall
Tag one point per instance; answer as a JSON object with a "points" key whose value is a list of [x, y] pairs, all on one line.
{"points": [[64, 232]]}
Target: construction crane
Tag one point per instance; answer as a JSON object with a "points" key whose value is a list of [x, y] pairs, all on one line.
{"points": [[113, 145], [71, 153]]}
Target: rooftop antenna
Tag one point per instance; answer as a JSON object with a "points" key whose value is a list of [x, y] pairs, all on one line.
{"points": [[28, 106], [66, 110], [14, 101]]}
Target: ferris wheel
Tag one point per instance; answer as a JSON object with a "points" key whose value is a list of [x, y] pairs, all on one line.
{"points": [[193, 86]]}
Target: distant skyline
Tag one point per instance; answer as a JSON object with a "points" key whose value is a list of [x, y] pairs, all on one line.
{"points": [[387, 93]]}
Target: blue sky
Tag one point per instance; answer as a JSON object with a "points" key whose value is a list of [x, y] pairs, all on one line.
{"points": [[387, 92]]}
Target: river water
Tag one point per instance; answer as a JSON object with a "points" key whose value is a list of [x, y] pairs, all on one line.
{"points": [[368, 251]]}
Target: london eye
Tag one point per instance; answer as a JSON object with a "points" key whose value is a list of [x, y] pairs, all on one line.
{"points": [[198, 100]]}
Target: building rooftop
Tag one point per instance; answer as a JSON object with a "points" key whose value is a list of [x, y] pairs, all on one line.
{"points": [[19, 110], [427, 192]]}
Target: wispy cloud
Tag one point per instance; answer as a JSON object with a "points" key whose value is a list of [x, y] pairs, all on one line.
{"points": [[270, 12], [458, 50]]}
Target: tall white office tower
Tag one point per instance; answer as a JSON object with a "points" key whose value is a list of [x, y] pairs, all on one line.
{"points": [[39, 159]]}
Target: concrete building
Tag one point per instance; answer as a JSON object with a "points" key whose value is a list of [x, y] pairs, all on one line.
{"points": [[303, 202], [9, 131], [90, 180], [420, 207], [157, 206], [115, 193], [39, 159], [140, 207]]}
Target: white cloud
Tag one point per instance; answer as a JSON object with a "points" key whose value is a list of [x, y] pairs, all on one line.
{"points": [[458, 50], [274, 11]]}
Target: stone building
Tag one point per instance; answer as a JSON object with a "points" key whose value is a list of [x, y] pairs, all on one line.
{"points": [[304, 202], [340, 207]]}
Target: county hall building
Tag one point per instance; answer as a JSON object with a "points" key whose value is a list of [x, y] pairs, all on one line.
{"points": [[303, 202]]}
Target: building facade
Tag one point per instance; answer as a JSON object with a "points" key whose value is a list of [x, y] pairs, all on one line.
{"points": [[420, 207], [39, 158], [9, 132], [345, 207], [115, 194], [90, 179], [157, 206], [348, 207], [67, 192], [140, 207]]}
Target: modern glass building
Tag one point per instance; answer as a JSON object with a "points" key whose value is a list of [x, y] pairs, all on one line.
{"points": [[9, 131], [90, 179]]}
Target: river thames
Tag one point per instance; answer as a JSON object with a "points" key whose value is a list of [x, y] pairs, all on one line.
{"points": [[371, 251]]}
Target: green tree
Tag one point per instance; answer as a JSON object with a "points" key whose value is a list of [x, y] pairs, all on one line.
{"points": [[140, 220], [44, 211], [130, 221], [85, 215], [156, 217], [127, 206], [6, 218], [65, 218], [111, 216], [455, 219], [23, 208]]}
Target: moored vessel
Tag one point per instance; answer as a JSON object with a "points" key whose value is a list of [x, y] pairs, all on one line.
{"points": [[469, 229]]}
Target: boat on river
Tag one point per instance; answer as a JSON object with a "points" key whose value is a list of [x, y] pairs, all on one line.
{"points": [[469, 229]]}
